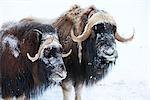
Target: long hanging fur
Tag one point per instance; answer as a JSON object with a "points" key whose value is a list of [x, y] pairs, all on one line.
{"points": [[18, 75]]}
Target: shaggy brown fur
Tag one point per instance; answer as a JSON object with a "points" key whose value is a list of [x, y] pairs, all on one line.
{"points": [[18, 75], [14, 74]]}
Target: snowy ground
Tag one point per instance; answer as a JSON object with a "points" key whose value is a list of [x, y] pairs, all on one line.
{"points": [[128, 80], [130, 77]]}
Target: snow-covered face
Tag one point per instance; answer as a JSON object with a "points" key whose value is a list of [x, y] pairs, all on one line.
{"points": [[51, 55], [105, 42], [13, 45], [101, 50]]}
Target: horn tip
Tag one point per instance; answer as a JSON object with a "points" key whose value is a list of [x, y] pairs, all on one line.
{"points": [[33, 59], [66, 55]]}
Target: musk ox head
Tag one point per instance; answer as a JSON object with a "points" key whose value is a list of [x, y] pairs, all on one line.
{"points": [[100, 33], [105, 41], [29, 75], [50, 55]]}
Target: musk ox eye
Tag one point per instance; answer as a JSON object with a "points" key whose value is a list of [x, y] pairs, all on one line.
{"points": [[98, 28], [47, 52], [50, 52], [53, 51]]}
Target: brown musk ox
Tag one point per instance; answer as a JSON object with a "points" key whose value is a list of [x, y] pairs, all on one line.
{"points": [[92, 35], [30, 59]]}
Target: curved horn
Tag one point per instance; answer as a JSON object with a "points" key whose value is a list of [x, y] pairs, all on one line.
{"points": [[121, 39], [81, 37], [87, 30], [93, 20], [33, 59], [36, 57], [67, 54], [36, 30]]}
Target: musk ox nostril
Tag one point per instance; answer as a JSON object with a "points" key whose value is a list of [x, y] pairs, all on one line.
{"points": [[109, 51]]}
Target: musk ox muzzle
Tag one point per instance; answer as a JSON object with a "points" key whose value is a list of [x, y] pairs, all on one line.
{"points": [[51, 55], [105, 41]]}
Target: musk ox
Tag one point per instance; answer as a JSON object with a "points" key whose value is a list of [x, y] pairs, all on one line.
{"points": [[92, 35], [21, 75]]}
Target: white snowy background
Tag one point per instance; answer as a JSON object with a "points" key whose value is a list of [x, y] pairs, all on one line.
{"points": [[130, 77]]}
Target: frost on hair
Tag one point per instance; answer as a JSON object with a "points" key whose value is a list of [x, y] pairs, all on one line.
{"points": [[13, 44]]}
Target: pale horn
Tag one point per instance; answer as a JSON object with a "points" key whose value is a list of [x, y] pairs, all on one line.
{"points": [[86, 33], [46, 42], [96, 18], [67, 54], [121, 39]]}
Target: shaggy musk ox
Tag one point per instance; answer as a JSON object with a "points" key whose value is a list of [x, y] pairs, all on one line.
{"points": [[93, 33], [21, 74]]}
